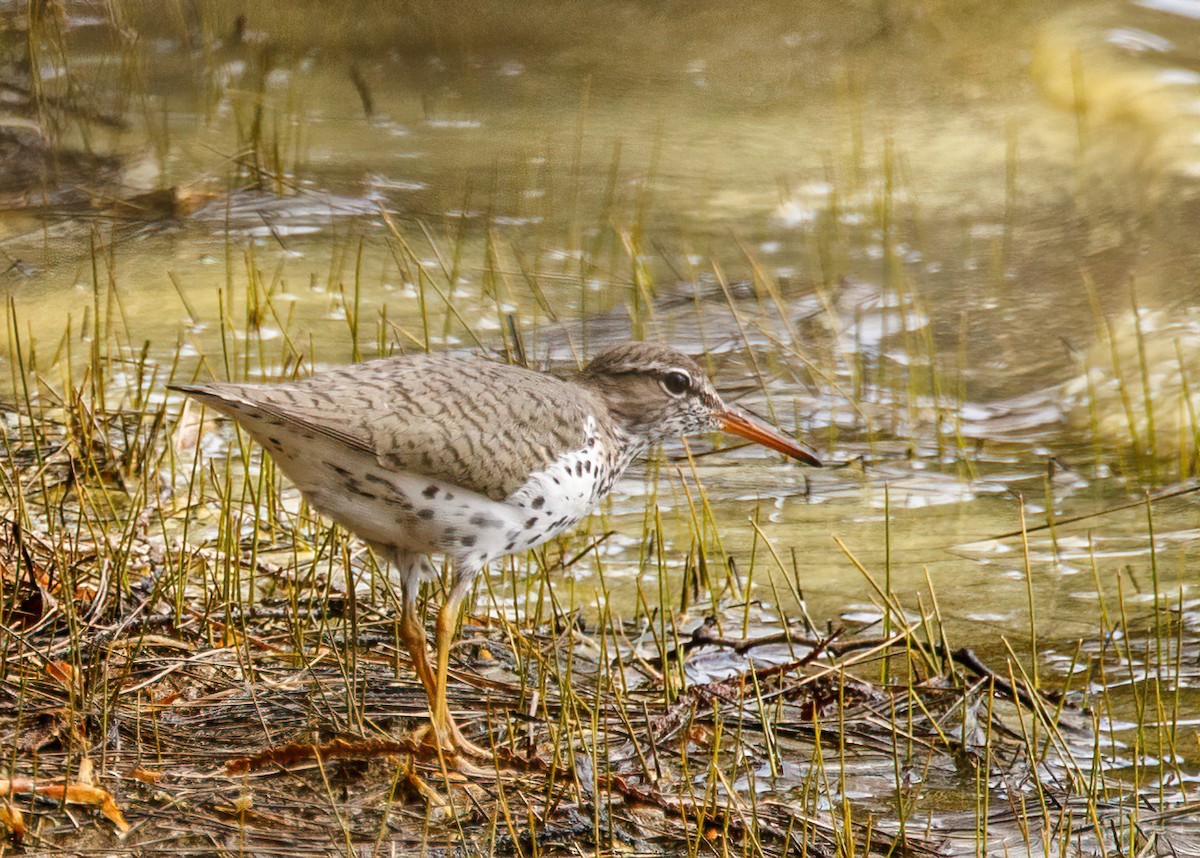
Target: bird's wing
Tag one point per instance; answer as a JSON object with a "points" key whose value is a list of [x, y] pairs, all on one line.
{"points": [[473, 423]]}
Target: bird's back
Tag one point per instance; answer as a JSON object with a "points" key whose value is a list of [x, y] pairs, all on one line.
{"points": [[477, 424]]}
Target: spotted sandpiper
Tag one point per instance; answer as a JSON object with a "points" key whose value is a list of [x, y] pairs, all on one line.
{"points": [[436, 454]]}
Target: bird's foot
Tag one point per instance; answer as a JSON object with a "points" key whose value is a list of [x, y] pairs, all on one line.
{"points": [[447, 742]]}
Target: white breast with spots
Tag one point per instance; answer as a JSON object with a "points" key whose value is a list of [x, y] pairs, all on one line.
{"points": [[557, 498], [407, 512]]}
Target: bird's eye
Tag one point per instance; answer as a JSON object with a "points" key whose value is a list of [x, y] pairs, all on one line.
{"points": [[676, 383]]}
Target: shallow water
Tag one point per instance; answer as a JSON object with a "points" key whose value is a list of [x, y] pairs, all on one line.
{"points": [[917, 213]]}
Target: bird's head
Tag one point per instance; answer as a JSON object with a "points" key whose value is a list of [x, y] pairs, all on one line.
{"points": [[655, 393]]}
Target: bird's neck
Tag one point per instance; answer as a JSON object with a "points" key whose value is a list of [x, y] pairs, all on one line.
{"points": [[627, 446]]}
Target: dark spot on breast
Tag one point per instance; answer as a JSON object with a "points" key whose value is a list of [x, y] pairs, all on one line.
{"points": [[449, 496], [529, 523], [426, 513], [587, 465], [579, 469], [510, 546], [481, 520], [467, 541], [430, 492], [375, 478], [539, 502], [341, 472]]}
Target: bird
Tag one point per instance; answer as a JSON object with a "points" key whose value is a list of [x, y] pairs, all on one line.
{"points": [[439, 454]]}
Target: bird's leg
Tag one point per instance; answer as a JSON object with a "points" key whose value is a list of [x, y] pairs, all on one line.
{"points": [[447, 621], [441, 732], [412, 632]]}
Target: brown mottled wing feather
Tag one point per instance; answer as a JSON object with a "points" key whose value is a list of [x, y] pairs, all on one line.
{"points": [[470, 422]]}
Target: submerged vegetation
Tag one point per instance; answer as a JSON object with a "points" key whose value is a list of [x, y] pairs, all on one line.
{"points": [[976, 633]]}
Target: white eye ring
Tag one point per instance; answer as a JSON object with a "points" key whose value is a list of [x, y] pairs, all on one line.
{"points": [[676, 382]]}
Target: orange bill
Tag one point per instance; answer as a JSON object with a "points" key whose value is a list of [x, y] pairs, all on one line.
{"points": [[759, 432]]}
